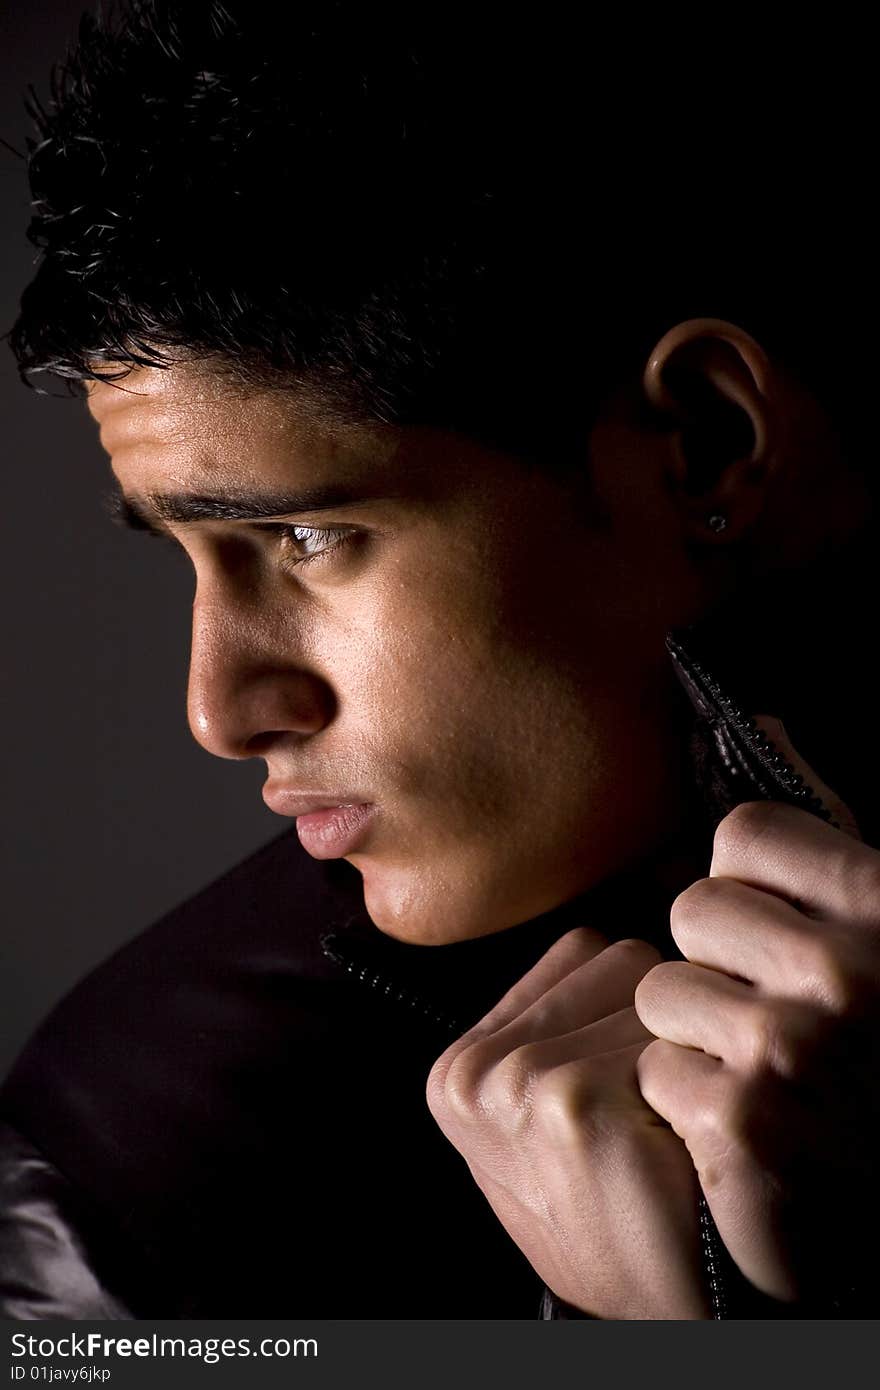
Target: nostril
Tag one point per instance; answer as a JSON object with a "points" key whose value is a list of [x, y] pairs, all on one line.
{"points": [[245, 714], [299, 704], [261, 744]]}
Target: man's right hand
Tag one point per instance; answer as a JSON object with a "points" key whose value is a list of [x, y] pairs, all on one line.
{"points": [[542, 1100]]}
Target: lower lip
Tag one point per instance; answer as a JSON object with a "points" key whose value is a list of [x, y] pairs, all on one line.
{"points": [[334, 832]]}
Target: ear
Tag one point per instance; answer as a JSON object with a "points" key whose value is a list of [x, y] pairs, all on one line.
{"points": [[715, 388]]}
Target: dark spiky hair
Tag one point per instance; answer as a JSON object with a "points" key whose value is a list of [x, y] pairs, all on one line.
{"points": [[425, 220]]}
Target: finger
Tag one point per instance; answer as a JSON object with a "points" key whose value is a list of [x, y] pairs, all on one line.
{"points": [[498, 1074], [703, 1010], [726, 925], [778, 736], [572, 950], [592, 991], [684, 1087], [697, 1008], [787, 851], [623, 1029], [587, 1088], [721, 1126], [605, 1095], [599, 1104]]}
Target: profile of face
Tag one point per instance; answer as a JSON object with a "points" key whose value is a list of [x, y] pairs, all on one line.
{"points": [[463, 653]]}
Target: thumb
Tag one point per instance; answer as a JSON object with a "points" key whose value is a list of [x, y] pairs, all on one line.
{"points": [[777, 735]]}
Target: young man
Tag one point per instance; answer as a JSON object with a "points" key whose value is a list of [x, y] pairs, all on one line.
{"points": [[450, 456]]}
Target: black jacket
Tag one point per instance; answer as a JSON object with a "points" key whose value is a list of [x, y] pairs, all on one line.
{"points": [[228, 1117]]}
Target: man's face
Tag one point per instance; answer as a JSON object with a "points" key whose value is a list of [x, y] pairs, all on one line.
{"points": [[452, 643]]}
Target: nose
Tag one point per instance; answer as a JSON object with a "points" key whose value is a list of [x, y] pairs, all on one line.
{"points": [[247, 685]]}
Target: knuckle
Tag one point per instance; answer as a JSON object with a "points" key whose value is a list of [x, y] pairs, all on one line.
{"points": [[661, 976], [454, 1089], [761, 1039], [694, 910], [583, 938], [578, 944], [435, 1085], [775, 1043], [724, 1131], [743, 826], [635, 955], [509, 1085], [567, 1103], [696, 902], [827, 977], [710, 1127]]}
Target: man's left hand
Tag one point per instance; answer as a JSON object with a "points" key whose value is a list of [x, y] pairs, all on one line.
{"points": [[768, 1051]]}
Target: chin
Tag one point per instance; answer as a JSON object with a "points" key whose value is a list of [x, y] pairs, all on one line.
{"points": [[425, 910]]}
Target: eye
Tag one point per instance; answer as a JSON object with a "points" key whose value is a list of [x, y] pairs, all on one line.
{"points": [[302, 544]]}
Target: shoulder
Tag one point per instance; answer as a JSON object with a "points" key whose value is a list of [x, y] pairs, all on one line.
{"points": [[215, 987], [165, 1074]]}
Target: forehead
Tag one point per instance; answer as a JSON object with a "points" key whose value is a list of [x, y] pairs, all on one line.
{"points": [[189, 428]]}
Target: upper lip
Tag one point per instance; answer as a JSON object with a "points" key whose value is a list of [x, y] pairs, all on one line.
{"points": [[293, 801]]}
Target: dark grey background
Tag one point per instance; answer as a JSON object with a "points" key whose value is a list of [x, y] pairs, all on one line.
{"points": [[112, 814]]}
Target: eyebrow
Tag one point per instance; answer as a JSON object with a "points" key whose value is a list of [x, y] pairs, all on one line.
{"points": [[154, 510]]}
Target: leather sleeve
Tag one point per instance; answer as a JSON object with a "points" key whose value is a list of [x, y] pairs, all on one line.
{"points": [[48, 1242]]}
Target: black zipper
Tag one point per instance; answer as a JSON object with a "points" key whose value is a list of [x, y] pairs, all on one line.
{"points": [[768, 774], [355, 961], [710, 1241], [780, 781]]}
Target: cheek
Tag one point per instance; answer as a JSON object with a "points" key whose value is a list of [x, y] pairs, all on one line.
{"points": [[452, 710], [429, 688], [492, 687]]}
